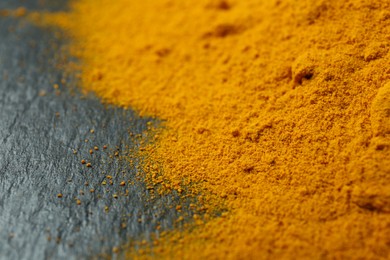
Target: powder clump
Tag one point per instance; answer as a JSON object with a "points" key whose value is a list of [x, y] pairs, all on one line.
{"points": [[380, 112]]}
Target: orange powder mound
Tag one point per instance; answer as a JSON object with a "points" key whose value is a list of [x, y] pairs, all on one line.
{"points": [[278, 111]]}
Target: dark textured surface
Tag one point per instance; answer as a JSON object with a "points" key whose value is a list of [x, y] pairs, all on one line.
{"points": [[51, 5], [38, 135]]}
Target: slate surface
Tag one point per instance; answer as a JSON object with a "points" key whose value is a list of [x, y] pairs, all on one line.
{"points": [[38, 134], [49, 5]]}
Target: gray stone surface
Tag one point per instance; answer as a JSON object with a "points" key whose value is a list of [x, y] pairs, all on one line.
{"points": [[50, 5], [38, 135]]}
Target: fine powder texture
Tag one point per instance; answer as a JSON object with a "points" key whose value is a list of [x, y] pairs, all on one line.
{"points": [[277, 113]]}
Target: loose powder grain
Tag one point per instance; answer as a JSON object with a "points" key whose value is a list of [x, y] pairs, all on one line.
{"points": [[277, 111]]}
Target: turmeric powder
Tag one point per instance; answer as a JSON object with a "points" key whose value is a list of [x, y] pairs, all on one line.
{"points": [[276, 110]]}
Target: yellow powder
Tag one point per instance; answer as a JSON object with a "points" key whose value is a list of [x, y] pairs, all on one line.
{"points": [[277, 111], [19, 12]]}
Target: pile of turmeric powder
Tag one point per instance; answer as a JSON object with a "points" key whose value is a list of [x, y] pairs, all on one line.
{"points": [[277, 110]]}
